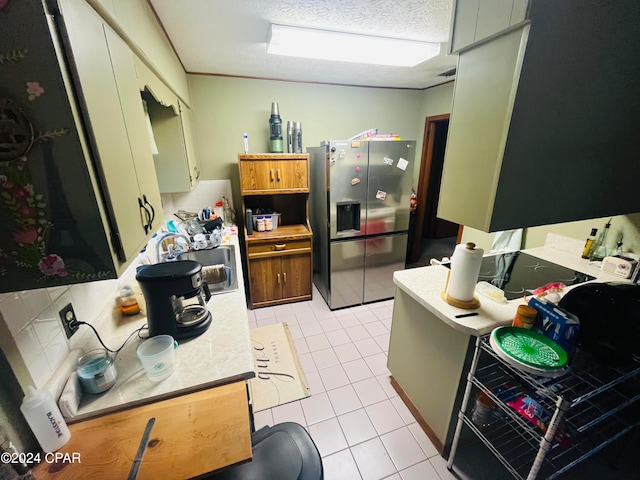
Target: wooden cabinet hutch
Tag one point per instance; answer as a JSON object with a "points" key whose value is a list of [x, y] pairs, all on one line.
{"points": [[279, 262]]}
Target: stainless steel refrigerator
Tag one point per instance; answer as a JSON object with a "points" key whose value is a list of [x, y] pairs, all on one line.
{"points": [[359, 211]]}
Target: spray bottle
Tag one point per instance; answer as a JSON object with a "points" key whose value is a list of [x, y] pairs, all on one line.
{"points": [[44, 418]]}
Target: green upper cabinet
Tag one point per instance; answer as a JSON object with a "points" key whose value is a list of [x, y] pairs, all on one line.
{"points": [[172, 132], [136, 21], [544, 119], [474, 21], [105, 69]]}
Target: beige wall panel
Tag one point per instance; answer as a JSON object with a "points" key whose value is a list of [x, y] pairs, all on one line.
{"points": [[435, 101], [426, 357], [224, 108]]}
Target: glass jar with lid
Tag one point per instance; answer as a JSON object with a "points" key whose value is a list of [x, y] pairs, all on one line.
{"points": [[96, 371], [128, 302]]}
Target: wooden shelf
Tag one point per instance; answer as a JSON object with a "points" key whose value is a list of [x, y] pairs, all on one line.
{"points": [[283, 232], [273, 156]]}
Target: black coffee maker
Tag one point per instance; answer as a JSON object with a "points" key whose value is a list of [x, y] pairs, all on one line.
{"points": [[176, 298]]}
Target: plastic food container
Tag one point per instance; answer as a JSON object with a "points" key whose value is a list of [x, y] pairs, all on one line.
{"points": [[491, 291], [157, 357], [273, 218], [96, 371]]}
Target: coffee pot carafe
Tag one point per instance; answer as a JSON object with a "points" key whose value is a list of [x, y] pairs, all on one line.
{"points": [[176, 298]]}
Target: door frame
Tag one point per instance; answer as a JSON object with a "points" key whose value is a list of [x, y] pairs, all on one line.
{"points": [[426, 163]]}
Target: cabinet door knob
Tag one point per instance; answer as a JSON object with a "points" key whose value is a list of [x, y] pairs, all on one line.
{"points": [[278, 276], [278, 174], [280, 246], [271, 174], [284, 277]]}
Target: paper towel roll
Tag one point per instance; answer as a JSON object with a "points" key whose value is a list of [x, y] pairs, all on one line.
{"points": [[465, 268]]}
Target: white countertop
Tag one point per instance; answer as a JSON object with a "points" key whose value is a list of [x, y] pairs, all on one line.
{"points": [[425, 285], [220, 355]]}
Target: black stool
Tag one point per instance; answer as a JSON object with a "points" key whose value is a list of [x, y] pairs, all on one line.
{"points": [[282, 452]]}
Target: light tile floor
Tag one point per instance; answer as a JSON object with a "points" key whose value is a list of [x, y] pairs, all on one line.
{"points": [[361, 427]]}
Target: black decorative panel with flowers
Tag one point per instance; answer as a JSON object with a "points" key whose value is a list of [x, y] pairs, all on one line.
{"points": [[51, 230]]}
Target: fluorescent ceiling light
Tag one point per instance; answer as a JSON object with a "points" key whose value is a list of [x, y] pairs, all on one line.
{"points": [[348, 47]]}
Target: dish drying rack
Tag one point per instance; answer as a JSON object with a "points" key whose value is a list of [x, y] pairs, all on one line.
{"points": [[592, 400]]}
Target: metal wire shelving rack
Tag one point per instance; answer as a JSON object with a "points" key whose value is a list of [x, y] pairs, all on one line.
{"points": [[592, 402]]}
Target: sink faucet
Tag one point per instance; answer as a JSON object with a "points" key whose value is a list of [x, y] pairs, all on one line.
{"points": [[173, 254]]}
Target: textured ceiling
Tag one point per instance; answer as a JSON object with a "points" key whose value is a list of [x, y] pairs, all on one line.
{"points": [[228, 37]]}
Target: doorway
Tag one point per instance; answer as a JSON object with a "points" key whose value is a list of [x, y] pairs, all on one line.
{"points": [[432, 237]]}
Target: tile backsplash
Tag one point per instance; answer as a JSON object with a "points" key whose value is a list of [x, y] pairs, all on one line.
{"points": [[206, 194], [32, 318], [37, 343]]}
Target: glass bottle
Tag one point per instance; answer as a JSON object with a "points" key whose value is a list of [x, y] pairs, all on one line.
{"points": [[228, 215], [599, 249], [618, 250], [589, 243]]}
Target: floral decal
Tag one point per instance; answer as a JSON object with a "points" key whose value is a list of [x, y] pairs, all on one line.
{"points": [[14, 55], [52, 265], [27, 209], [34, 90], [30, 226]]}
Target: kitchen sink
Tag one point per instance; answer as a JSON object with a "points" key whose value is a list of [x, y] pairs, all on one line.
{"points": [[221, 255]]}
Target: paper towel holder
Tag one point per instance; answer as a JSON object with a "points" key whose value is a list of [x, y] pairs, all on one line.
{"points": [[466, 304]]}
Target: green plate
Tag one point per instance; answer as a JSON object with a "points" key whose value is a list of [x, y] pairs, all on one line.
{"points": [[529, 347]]}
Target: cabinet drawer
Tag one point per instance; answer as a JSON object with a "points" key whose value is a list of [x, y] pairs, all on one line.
{"points": [[279, 247]]}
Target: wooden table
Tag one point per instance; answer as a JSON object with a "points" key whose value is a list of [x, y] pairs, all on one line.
{"points": [[192, 435]]}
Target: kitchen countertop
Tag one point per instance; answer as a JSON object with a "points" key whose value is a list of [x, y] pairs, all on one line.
{"points": [[425, 285], [219, 356]]}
